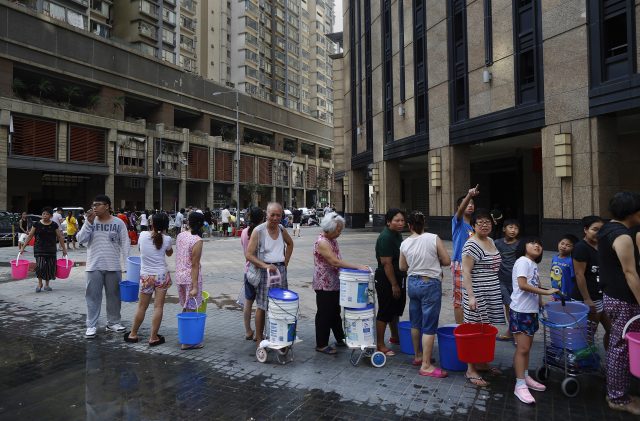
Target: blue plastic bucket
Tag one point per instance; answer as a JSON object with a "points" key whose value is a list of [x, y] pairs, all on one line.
{"points": [[406, 344], [129, 291], [574, 337], [133, 268], [447, 349], [191, 328]]}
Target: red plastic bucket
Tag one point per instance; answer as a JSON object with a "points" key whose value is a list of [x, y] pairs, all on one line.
{"points": [[19, 268], [476, 342], [63, 268], [32, 241]]}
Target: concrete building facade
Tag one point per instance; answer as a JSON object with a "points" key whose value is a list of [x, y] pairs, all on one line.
{"points": [[81, 115], [535, 100]]}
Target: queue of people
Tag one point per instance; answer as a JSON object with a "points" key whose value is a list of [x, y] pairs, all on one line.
{"points": [[494, 281]]}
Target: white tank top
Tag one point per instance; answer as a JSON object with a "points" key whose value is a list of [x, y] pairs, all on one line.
{"points": [[422, 255], [273, 249]]}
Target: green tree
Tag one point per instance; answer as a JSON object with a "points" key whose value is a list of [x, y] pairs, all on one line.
{"points": [[71, 92], [45, 88]]}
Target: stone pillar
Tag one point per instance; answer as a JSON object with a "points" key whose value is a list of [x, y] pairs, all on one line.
{"points": [[211, 187], [111, 103], [148, 188], [6, 79], [386, 180], [109, 180], [63, 136], [356, 215], [274, 179], [4, 152], [182, 188]]}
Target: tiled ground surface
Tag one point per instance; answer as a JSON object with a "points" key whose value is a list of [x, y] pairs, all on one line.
{"points": [[46, 363]]}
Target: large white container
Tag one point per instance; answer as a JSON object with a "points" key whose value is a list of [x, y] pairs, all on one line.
{"points": [[360, 325], [354, 288], [283, 313]]}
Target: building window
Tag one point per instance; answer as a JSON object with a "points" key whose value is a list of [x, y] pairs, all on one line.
{"points": [[612, 39], [488, 34], [420, 65], [359, 55], [527, 51], [353, 74], [401, 48], [368, 72], [458, 81], [387, 69]]}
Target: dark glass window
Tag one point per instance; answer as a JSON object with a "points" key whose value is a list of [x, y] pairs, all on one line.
{"points": [[368, 71], [387, 57], [615, 36], [527, 52], [458, 60], [420, 65]]}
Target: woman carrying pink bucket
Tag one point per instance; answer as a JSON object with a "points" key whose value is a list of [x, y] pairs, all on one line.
{"points": [[46, 233]]}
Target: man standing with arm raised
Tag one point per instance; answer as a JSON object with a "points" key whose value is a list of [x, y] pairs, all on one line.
{"points": [[107, 239], [461, 230]]}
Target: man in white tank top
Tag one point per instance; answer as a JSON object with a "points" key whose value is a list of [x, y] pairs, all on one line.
{"points": [[270, 248]]}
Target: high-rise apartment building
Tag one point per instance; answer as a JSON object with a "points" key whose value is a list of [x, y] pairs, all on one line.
{"points": [[280, 53], [275, 50]]}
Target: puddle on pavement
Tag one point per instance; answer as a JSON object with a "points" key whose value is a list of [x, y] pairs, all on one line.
{"points": [[224, 302]]}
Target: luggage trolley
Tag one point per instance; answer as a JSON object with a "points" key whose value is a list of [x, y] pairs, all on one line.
{"points": [[360, 323], [281, 323], [568, 345]]}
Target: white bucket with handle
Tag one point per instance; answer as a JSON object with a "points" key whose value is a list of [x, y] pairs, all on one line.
{"points": [[360, 326], [354, 288]]}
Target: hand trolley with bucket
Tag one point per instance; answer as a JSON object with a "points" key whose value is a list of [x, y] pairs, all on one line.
{"points": [[357, 292], [281, 322], [567, 344]]}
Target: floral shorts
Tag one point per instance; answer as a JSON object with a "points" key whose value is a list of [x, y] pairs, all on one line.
{"points": [[149, 283], [526, 323]]}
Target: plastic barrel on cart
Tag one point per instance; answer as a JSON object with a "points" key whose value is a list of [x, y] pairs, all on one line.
{"points": [[573, 314], [283, 314], [354, 286], [360, 326]]}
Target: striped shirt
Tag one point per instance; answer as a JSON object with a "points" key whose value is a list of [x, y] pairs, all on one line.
{"points": [[486, 286], [106, 242]]}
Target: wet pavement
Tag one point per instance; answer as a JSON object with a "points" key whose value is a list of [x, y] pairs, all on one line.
{"points": [[49, 371]]}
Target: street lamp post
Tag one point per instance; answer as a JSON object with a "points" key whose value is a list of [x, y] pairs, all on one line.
{"points": [[237, 180]]}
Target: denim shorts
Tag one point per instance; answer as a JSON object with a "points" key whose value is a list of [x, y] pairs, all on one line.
{"points": [[526, 323], [425, 298], [249, 290]]}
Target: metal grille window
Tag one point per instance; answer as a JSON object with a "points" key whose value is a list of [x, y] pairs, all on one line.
{"points": [[168, 159], [246, 168], [387, 69], [198, 159], [312, 177], [34, 138], [87, 145], [324, 179], [420, 65], [131, 154], [265, 174], [224, 166], [527, 51]]}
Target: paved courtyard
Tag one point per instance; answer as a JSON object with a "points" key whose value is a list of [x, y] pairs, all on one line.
{"points": [[49, 371]]}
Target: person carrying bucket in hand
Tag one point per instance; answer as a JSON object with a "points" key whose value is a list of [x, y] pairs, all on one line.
{"points": [[107, 240], [188, 269], [46, 233], [275, 247]]}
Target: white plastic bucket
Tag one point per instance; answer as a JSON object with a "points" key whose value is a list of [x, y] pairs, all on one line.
{"points": [[360, 326], [354, 286], [283, 313]]}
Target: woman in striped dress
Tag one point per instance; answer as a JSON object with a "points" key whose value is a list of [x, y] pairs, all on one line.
{"points": [[481, 299]]}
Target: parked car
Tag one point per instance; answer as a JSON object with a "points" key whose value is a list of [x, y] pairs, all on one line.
{"points": [[8, 228]]}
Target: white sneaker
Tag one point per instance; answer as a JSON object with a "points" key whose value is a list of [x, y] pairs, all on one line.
{"points": [[90, 333], [118, 328]]}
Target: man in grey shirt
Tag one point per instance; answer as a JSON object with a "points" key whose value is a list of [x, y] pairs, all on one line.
{"points": [[107, 240]]}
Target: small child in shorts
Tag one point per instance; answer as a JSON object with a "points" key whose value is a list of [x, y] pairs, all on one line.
{"points": [[526, 301], [507, 246], [563, 276]]}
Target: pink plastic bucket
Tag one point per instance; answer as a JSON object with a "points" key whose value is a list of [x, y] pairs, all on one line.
{"points": [[19, 268], [633, 340], [63, 268]]}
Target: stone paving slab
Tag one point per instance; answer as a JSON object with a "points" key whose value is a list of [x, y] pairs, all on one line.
{"points": [[394, 390]]}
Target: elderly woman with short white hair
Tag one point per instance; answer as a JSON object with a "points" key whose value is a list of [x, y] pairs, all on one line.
{"points": [[326, 283]]}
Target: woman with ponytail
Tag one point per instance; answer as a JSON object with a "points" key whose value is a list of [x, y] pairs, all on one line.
{"points": [[154, 276], [188, 270]]}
